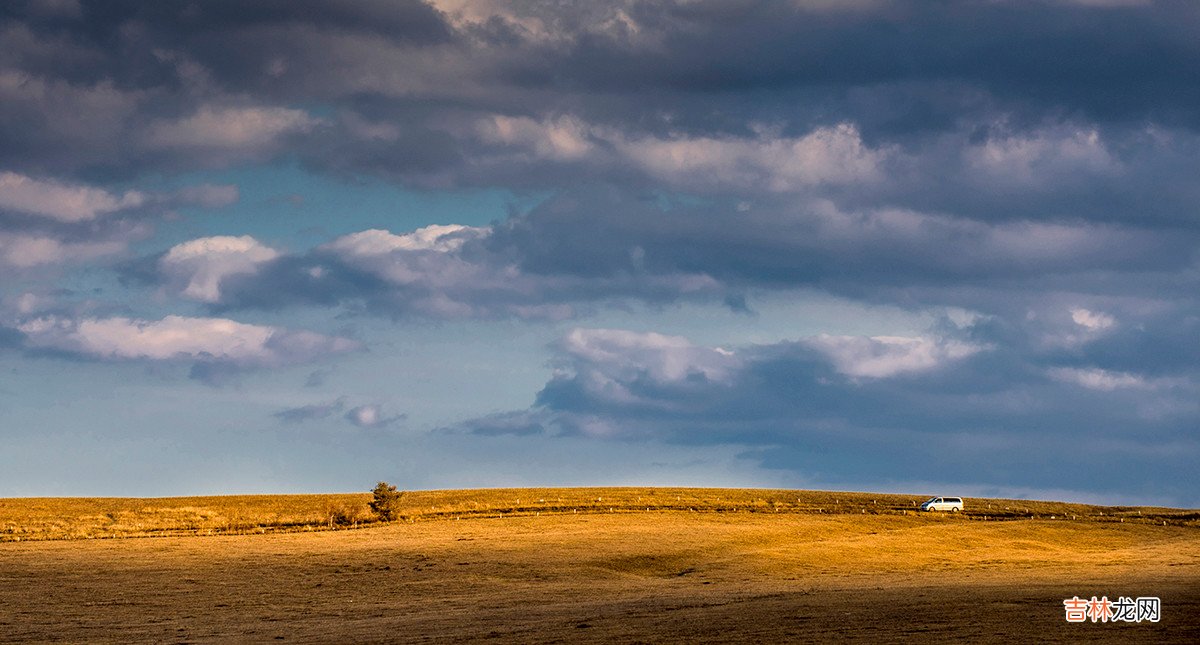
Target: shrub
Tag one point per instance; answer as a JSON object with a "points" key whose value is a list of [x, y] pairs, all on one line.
{"points": [[340, 515], [385, 502]]}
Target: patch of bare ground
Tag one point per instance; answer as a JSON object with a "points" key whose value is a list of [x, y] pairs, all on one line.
{"points": [[632, 576]]}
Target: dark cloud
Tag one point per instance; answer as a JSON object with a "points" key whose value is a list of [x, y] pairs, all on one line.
{"points": [[48, 225], [503, 423], [881, 412], [817, 242], [438, 272], [370, 415], [897, 69], [1028, 164], [311, 412], [586, 247]]}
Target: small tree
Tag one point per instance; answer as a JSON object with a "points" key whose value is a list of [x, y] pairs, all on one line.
{"points": [[340, 515], [386, 501]]}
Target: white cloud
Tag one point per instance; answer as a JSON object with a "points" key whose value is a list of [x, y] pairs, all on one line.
{"points": [[1043, 156], [547, 22], [61, 201], [180, 338], [1092, 320], [1097, 379], [375, 242], [564, 138], [831, 155], [371, 416], [426, 258], [626, 367], [27, 251], [1073, 328], [965, 245], [197, 267], [617, 353], [766, 161], [229, 128], [884, 356], [28, 303]]}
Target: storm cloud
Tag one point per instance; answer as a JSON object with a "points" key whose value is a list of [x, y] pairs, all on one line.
{"points": [[881, 412], [1018, 174]]}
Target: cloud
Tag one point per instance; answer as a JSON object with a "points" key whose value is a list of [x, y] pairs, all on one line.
{"points": [[58, 124], [1097, 379], [311, 412], [371, 416], [208, 195], [882, 253], [665, 359], [1092, 320], [1038, 173], [592, 246], [765, 161], [743, 91], [1035, 157], [439, 271], [197, 267], [989, 417], [834, 154], [51, 223], [548, 24], [564, 138], [178, 338], [55, 8], [228, 128], [884, 356], [375, 242], [61, 201], [31, 251]]}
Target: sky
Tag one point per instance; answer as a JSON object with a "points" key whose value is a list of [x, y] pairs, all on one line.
{"points": [[884, 245]]}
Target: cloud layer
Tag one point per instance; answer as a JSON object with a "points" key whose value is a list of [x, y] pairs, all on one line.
{"points": [[1023, 173], [879, 413], [213, 344]]}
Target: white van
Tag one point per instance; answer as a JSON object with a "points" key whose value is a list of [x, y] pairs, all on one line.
{"points": [[952, 504]]}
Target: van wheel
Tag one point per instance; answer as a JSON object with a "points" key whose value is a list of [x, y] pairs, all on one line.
{"points": [[955, 509]]}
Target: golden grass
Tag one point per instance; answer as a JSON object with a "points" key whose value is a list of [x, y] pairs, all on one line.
{"points": [[92, 518], [665, 576], [50, 518]]}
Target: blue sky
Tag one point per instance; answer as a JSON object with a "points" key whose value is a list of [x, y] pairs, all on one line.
{"points": [[880, 245]]}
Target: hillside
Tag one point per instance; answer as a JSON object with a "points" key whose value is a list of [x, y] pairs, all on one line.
{"points": [[593, 565], [91, 518]]}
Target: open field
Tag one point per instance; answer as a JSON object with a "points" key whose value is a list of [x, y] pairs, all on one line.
{"points": [[98, 517], [509, 571]]}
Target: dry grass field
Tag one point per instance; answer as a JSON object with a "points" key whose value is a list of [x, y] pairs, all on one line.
{"points": [[589, 565], [100, 517]]}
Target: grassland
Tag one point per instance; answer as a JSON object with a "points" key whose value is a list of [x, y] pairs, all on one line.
{"points": [[94, 517], [591, 565]]}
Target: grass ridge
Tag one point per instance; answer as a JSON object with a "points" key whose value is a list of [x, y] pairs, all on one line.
{"points": [[66, 518]]}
